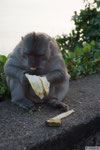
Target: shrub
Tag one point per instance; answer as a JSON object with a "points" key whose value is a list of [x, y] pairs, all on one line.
{"points": [[80, 49], [4, 92], [83, 61]]}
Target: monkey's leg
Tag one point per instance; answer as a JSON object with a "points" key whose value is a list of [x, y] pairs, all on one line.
{"points": [[18, 94], [57, 94]]}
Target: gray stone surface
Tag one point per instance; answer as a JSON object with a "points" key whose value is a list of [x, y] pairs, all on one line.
{"points": [[22, 131]]}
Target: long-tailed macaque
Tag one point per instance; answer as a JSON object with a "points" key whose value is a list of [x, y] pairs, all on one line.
{"points": [[39, 51]]}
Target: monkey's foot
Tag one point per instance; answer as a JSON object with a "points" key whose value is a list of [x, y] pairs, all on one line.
{"points": [[25, 104], [57, 104]]}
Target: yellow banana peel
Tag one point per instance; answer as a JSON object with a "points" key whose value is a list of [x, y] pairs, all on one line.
{"points": [[40, 85]]}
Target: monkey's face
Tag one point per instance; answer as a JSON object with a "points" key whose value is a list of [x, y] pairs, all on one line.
{"points": [[35, 52]]}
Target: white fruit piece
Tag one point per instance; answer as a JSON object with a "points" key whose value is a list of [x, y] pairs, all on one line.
{"points": [[46, 84], [36, 85]]}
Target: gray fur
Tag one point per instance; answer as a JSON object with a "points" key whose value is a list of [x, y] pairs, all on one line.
{"points": [[40, 51]]}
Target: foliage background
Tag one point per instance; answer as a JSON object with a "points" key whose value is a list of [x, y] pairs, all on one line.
{"points": [[81, 48]]}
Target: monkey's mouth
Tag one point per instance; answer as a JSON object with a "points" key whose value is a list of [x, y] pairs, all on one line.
{"points": [[33, 68]]}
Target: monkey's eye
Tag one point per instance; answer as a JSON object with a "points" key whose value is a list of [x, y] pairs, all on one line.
{"points": [[42, 57], [39, 55], [26, 54]]}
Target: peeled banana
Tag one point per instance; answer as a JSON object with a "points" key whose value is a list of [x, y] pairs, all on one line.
{"points": [[40, 85]]}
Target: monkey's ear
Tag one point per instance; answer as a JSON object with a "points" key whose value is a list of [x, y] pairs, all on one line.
{"points": [[22, 38]]}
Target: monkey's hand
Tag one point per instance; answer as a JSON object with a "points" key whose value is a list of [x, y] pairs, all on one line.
{"points": [[23, 79], [40, 85], [31, 71]]}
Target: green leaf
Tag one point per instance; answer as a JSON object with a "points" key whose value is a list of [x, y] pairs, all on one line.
{"points": [[98, 4], [30, 112], [97, 55], [92, 43], [78, 51], [3, 58], [79, 68], [87, 48], [2, 90], [71, 55]]}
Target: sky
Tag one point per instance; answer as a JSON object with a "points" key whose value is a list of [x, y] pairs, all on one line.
{"points": [[19, 17]]}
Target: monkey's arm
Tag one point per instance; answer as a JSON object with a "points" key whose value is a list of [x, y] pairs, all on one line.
{"points": [[56, 76], [57, 73], [13, 68]]}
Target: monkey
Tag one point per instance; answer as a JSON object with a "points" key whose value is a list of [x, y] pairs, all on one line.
{"points": [[40, 51]]}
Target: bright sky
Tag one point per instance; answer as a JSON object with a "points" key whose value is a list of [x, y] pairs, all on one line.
{"points": [[19, 17]]}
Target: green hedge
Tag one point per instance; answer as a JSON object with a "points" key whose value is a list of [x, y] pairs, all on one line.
{"points": [[83, 61]]}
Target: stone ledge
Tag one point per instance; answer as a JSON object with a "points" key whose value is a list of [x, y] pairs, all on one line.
{"points": [[22, 131]]}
